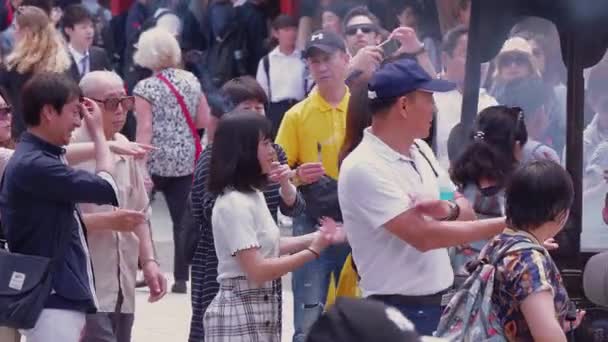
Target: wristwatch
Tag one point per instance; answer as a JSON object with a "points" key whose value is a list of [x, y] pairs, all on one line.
{"points": [[145, 261], [454, 211]]}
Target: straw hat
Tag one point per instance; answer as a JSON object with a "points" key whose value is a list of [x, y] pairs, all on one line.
{"points": [[521, 46]]}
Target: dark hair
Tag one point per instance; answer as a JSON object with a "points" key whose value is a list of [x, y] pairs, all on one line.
{"points": [[463, 4], [234, 155], [358, 117], [338, 8], [380, 106], [45, 5], [47, 88], [361, 11], [283, 21], [451, 38], [243, 88], [74, 15], [280, 22], [402, 5], [491, 151], [218, 104], [537, 193]]}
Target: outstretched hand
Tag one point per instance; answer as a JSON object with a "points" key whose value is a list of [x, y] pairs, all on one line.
{"points": [[333, 231]]}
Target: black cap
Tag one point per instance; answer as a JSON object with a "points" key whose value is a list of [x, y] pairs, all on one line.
{"points": [[401, 77], [362, 320], [326, 41]]}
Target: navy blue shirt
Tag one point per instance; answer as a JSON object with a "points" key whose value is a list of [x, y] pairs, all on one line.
{"points": [[38, 197]]}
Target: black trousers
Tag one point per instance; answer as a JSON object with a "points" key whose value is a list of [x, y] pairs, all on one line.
{"points": [[276, 111], [176, 190]]}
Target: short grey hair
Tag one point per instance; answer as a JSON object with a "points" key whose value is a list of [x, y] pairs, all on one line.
{"points": [[157, 49], [94, 81]]}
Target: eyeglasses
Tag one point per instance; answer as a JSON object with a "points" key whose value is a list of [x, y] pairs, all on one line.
{"points": [[510, 59], [5, 112], [127, 102], [365, 28]]}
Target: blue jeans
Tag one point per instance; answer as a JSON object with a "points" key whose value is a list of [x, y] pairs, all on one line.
{"points": [[310, 282]]}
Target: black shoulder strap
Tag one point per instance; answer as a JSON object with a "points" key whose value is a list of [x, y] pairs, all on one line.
{"points": [[266, 63], [427, 159]]}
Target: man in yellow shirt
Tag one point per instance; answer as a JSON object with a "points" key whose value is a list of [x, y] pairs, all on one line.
{"points": [[311, 133]]}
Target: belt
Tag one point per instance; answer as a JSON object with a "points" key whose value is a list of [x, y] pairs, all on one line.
{"points": [[438, 299], [289, 102]]}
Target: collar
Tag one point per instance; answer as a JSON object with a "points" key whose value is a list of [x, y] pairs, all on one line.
{"points": [[324, 106], [29, 138], [276, 52], [382, 149], [511, 231], [77, 55]]}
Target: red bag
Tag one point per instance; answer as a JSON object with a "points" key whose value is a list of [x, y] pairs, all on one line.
{"points": [[186, 112]]}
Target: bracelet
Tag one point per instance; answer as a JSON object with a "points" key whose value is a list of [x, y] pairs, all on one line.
{"points": [[145, 261], [317, 255]]}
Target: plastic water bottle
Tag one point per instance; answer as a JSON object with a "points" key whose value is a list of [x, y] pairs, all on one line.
{"points": [[446, 188]]}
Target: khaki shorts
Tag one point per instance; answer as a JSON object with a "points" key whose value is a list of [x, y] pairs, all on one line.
{"points": [[9, 335]]}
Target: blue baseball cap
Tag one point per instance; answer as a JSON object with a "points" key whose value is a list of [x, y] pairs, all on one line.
{"points": [[401, 77]]}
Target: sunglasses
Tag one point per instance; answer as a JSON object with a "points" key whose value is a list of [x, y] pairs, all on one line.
{"points": [[517, 59], [127, 102], [364, 28], [5, 112]]}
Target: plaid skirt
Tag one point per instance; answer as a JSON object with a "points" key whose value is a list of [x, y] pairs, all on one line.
{"points": [[242, 311]]}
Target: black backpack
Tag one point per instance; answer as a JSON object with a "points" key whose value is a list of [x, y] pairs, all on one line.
{"points": [[226, 56]]}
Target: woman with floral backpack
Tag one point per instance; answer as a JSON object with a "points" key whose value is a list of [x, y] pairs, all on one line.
{"points": [[515, 292]]}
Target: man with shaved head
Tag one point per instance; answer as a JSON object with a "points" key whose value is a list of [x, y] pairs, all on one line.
{"points": [[118, 237]]}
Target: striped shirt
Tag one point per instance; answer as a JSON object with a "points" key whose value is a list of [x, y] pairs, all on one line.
{"points": [[204, 263]]}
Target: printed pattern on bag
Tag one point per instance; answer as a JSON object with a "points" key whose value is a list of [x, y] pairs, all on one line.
{"points": [[471, 316]]}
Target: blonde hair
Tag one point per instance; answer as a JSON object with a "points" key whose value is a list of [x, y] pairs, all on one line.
{"points": [[157, 49], [41, 48]]}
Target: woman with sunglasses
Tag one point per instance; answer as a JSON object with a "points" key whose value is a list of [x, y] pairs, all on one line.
{"points": [[515, 61], [39, 47], [252, 256], [170, 106]]}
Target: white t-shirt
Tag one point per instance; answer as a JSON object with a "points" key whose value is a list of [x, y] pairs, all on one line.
{"points": [[375, 186], [242, 221], [449, 111]]}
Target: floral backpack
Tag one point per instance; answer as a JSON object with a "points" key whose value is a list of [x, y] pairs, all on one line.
{"points": [[470, 315]]}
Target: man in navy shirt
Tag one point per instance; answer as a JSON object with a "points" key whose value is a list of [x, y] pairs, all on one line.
{"points": [[39, 196]]}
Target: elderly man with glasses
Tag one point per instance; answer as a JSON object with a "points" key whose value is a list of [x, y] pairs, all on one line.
{"points": [[118, 237]]}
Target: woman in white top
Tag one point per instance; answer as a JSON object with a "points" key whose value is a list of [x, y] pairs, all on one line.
{"points": [[247, 239]]}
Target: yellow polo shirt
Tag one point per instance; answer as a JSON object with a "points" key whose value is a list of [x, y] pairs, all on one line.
{"points": [[314, 123]]}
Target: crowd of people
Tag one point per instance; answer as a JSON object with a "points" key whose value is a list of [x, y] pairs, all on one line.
{"points": [[343, 122]]}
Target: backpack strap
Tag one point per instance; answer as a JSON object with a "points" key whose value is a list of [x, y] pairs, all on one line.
{"points": [[266, 64], [186, 113], [514, 246], [427, 159], [307, 85]]}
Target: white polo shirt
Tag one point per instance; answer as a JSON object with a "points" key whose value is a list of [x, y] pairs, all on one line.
{"points": [[287, 74], [375, 186]]}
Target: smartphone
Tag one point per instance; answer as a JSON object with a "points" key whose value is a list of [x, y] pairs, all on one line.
{"points": [[389, 47]]}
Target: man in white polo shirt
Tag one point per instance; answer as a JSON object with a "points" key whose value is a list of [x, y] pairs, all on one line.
{"points": [[389, 194]]}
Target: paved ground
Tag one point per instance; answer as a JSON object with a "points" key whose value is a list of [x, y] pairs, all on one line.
{"points": [[169, 319]]}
